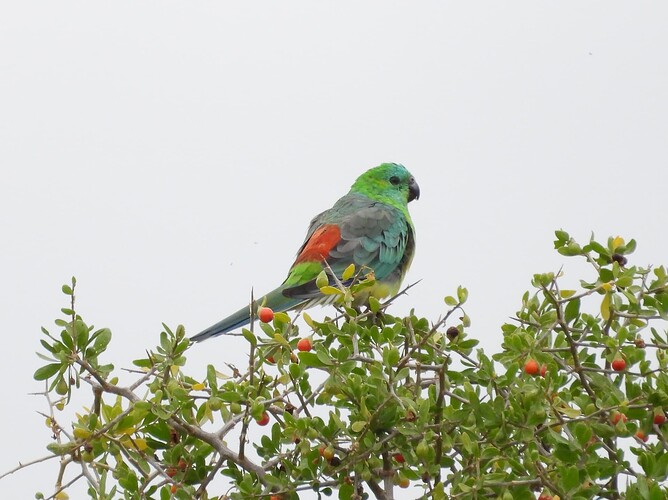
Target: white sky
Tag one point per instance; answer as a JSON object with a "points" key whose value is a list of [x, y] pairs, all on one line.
{"points": [[171, 154]]}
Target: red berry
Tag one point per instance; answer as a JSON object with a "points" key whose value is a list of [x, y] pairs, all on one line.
{"points": [[659, 419], [265, 314], [616, 417], [618, 364], [171, 471], [182, 464], [531, 367], [543, 369], [304, 344], [270, 359], [399, 458], [642, 436], [545, 496], [264, 420]]}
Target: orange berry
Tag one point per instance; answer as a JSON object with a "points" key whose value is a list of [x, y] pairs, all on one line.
{"points": [[616, 417], [265, 314], [618, 364], [264, 420], [531, 367], [171, 471], [642, 436], [659, 419], [304, 344]]}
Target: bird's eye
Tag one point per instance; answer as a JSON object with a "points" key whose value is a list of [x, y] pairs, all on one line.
{"points": [[395, 180]]}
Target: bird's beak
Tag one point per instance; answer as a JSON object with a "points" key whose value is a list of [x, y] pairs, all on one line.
{"points": [[413, 190]]}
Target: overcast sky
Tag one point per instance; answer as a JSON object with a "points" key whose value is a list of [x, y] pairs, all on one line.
{"points": [[170, 156]]}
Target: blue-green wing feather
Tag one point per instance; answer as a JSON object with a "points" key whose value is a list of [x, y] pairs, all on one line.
{"points": [[373, 234]]}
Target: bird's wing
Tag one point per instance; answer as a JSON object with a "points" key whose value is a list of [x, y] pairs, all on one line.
{"points": [[363, 232]]}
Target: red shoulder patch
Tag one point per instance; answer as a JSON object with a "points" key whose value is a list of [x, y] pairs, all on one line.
{"points": [[320, 243]]}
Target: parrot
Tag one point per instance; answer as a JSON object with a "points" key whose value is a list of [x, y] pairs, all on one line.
{"points": [[369, 227]]}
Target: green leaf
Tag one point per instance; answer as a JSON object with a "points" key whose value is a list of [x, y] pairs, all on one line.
{"points": [[583, 433], [630, 247], [462, 294], [571, 249], [60, 448], [450, 301], [230, 396], [562, 236], [570, 477], [309, 321], [310, 359], [211, 378], [249, 336], [348, 272], [324, 357], [143, 363], [281, 317], [280, 339], [322, 280], [605, 307], [391, 356], [572, 310], [295, 370], [102, 339], [81, 333], [66, 337], [346, 491], [164, 342], [358, 426], [47, 371], [566, 454], [599, 249], [165, 493]]}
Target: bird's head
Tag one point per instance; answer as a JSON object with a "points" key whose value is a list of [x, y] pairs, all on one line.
{"points": [[388, 181]]}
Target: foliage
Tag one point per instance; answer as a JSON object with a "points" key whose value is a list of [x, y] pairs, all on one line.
{"points": [[381, 402]]}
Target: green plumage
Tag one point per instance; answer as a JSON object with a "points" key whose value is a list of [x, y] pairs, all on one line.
{"points": [[369, 227]]}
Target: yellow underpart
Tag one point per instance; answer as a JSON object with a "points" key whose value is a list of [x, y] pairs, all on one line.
{"points": [[378, 290]]}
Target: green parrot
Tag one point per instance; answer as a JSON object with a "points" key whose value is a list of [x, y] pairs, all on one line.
{"points": [[369, 227]]}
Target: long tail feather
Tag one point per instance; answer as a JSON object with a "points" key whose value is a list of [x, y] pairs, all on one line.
{"points": [[239, 318], [274, 299]]}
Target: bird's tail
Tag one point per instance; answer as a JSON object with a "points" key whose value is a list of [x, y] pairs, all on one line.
{"points": [[274, 299]]}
